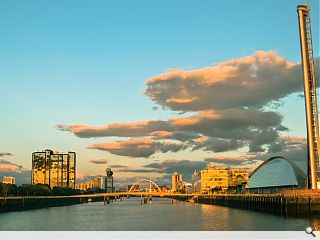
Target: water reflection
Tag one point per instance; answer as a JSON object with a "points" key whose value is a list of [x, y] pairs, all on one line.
{"points": [[161, 215], [315, 224]]}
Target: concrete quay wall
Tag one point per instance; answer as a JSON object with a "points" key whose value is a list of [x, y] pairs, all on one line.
{"points": [[296, 206]]}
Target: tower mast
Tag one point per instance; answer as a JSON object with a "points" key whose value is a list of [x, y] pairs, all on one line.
{"points": [[310, 95]]}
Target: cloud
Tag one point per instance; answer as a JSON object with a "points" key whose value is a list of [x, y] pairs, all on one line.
{"points": [[292, 148], [6, 166], [81, 175], [216, 144], [22, 175], [176, 135], [251, 81], [267, 136], [168, 167], [236, 160], [118, 166], [134, 129], [99, 161], [5, 154], [225, 106], [139, 147], [230, 123], [224, 130]]}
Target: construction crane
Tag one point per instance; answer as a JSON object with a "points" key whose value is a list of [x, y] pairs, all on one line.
{"points": [[310, 95]]}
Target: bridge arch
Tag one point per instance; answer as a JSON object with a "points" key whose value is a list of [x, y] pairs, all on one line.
{"points": [[144, 180]]}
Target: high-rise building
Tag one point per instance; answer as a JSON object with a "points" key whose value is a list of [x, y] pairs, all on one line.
{"points": [[176, 182], [8, 180], [54, 169]]}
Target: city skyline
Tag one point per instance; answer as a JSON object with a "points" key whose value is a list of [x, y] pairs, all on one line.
{"points": [[102, 79]]}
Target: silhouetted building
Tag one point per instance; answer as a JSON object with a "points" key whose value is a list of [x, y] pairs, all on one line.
{"points": [[54, 169], [8, 180], [109, 181], [276, 174]]}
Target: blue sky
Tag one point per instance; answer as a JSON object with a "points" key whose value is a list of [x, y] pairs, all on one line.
{"points": [[86, 62]]}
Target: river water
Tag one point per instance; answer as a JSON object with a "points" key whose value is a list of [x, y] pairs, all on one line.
{"points": [[160, 215]]}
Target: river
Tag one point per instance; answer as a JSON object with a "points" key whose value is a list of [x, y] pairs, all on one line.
{"points": [[160, 215]]}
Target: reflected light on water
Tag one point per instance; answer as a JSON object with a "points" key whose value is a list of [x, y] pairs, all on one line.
{"points": [[315, 224]]}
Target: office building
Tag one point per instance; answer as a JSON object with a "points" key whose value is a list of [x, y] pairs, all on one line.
{"points": [[54, 169], [276, 174], [215, 179], [176, 182], [238, 179], [8, 180]]}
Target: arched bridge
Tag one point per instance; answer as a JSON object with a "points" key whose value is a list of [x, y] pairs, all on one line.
{"points": [[144, 180]]}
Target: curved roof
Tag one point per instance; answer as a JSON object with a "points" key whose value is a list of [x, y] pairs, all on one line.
{"points": [[277, 171]]}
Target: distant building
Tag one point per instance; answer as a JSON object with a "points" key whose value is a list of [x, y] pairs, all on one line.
{"points": [[187, 187], [276, 174], [8, 180], [196, 181], [238, 179], [214, 179], [54, 169], [164, 188], [176, 182], [94, 183], [109, 181]]}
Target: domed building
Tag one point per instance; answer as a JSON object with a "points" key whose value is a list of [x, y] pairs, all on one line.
{"points": [[276, 174]]}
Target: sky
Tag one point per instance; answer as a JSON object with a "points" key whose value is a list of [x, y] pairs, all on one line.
{"points": [[151, 87]]}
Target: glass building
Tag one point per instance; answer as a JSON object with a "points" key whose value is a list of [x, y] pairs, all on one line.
{"points": [[54, 169], [276, 174]]}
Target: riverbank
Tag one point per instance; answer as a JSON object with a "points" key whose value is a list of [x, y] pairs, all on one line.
{"points": [[160, 215], [10, 204], [293, 205]]}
